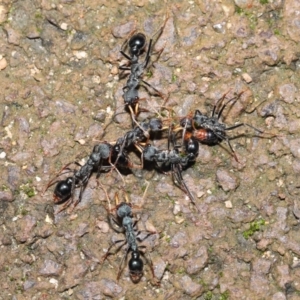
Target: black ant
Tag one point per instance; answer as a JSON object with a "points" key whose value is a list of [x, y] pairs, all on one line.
{"points": [[101, 160], [174, 159], [124, 223], [137, 45], [139, 134]]}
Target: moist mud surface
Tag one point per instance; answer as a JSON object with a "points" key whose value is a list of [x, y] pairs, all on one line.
{"points": [[60, 86]]}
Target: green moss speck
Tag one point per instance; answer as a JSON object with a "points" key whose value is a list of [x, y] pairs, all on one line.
{"points": [[224, 296], [208, 295], [28, 189], [4, 188], [181, 271], [238, 10], [276, 32], [254, 226], [149, 74], [23, 212], [38, 15]]}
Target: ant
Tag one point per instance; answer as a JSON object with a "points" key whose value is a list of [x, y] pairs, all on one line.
{"points": [[124, 223], [174, 159], [139, 134], [209, 130], [137, 45], [102, 153]]}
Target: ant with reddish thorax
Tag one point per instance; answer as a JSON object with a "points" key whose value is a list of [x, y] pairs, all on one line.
{"points": [[209, 130]]}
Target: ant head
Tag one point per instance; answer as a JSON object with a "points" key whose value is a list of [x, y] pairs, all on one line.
{"points": [[149, 152], [155, 124], [63, 190], [187, 123], [200, 120], [124, 210], [103, 149], [136, 266], [137, 43]]}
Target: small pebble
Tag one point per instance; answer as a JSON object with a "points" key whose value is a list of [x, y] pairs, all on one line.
{"points": [[114, 70], [179, 220], [103, 226], [54, 281], [64, 26], [80, 54], [3, 63], [176, 209], [3, 13], [228, 204], [247, 77]]}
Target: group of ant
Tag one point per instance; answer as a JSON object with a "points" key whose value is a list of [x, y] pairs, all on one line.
{"points": [[181, 152]]}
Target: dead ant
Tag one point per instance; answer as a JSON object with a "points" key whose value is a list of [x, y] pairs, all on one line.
{"points": [[123, 222]]}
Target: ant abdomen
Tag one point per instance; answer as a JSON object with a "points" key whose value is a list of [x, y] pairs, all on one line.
{"points": [[63, 190], [206, 136], [137, 43], [135, 266]]}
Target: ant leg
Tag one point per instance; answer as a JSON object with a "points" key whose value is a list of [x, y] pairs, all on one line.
{"points": [[150, 263], [126, 56], [233, 152], [156, 90], [122, 262], [217, 104], [99, 167], [65, 205], [123, 68], [243, 124], [184, 134], [145, 191], [53, 181], [133, 113], [160, 30], [181, 184], [107, 197], [82, 188], [224, 137], [160, 94], [112, 253], [235, 98], [147, 59], [113, 166]]}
